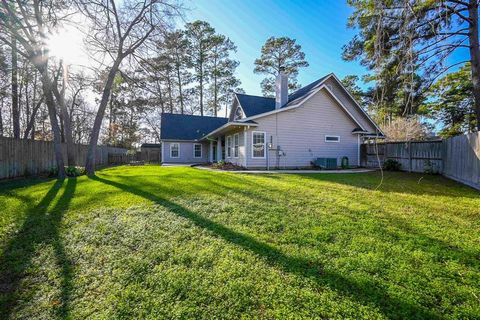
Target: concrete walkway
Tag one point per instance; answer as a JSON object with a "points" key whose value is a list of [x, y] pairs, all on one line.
{"points": [[179, 164], [288, 171]]}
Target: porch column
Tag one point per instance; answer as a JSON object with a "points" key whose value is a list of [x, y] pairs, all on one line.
{"points": [[210, 152], [359, 146], [219, 148], [245, 146]]}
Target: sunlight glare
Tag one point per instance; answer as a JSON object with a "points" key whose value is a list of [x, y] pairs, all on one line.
{"points": [[67, 45]]}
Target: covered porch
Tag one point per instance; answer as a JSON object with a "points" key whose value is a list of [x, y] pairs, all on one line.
{"points": [[229, 136]]}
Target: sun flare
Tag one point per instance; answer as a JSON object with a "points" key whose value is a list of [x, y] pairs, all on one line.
{"points": [[67, 45]]}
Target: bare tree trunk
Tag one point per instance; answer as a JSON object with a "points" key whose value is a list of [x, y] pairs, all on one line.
{"points": [[31, 121], [110, 118], [1, 119], [15, 106], [34, 112], [215, 83], [179, 79], [52, 112], [180, 92], [170, 97], [159, 89], [201, 88], [27, 99], [67, 125], [475, 56], [215, 95], [92, 146]]}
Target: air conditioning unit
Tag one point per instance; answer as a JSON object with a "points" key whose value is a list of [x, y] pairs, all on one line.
{"points": [[326, 163]]}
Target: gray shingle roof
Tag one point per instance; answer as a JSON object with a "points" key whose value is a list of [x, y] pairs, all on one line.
{"points": [[188, 127], [253, 105], [304, 91]]}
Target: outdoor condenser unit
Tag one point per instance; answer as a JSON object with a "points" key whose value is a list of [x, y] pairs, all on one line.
{"points": [[326, 163]]}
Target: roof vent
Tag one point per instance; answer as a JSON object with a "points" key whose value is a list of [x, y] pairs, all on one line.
{"points": [[281, 90]]}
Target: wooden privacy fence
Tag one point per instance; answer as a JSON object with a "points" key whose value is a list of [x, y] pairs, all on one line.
{"points": [[462, 159], [457, 158], [19, 157], [144, 156]]}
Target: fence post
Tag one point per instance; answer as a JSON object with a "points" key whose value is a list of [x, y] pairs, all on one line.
{"points": [[409, 156]]}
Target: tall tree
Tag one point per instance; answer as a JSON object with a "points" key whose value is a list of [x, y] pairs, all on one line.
{"points": [[201, 40], [420, 36], [222, 71], [67, 125], [351, 83], [451, 102], [177, 46], [15, 104], [280, 55], [3, 85], [30, 24], [120, 33]]}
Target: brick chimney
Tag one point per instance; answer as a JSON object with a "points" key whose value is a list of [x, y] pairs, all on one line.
{"points": [[281, 90]]}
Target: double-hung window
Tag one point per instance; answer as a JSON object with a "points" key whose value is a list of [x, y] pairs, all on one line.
{"points": [[174, 150], [197, 150], [258, 144], [236, 142], [229, 146]]}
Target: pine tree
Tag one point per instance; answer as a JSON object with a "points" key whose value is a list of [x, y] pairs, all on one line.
{"points": [[451, 102], [412, 42], [279, 55], [201, 39], [221, 70]]}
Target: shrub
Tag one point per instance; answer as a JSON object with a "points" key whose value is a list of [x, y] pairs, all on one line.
{"points": [[392, 165], [72, 171], [430, 168], [53, 172]]}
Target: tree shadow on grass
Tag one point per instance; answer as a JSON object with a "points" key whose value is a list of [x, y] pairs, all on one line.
{"points": [[9, 185], [41, 226], [399, 182], [367, 292]]}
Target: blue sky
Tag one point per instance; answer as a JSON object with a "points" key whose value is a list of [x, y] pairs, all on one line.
{"points": [[318, 26]]}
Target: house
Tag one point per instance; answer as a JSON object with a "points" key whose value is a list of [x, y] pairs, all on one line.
{"points": [[321, 119]]}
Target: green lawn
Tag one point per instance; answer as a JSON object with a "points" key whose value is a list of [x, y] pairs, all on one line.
{"points": [[153, 242]]}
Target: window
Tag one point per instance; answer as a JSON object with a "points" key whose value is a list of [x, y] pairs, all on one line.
{"points": [[235, 145], [174, 150], [197, 150], [258, 144], [229, 146], [332, 139], [238, 114]]}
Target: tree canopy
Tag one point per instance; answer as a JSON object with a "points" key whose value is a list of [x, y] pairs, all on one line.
{"points": [[280, 55]]}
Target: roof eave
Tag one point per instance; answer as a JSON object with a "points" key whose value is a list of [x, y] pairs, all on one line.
{"points": [[225, 126]]}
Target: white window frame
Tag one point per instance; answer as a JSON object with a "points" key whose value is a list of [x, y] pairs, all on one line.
{"points": [[264, 144], [236, 147], [238, 115], [201, 151], [229, 146], [171, 147], [330, 136]]}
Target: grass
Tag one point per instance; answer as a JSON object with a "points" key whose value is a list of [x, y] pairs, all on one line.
{"points": [[153, 242]]}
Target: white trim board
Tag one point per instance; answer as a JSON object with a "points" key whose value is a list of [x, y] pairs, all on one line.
{"points": [[323, 86], [264, 145], [171, 145], [201, 150]]}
